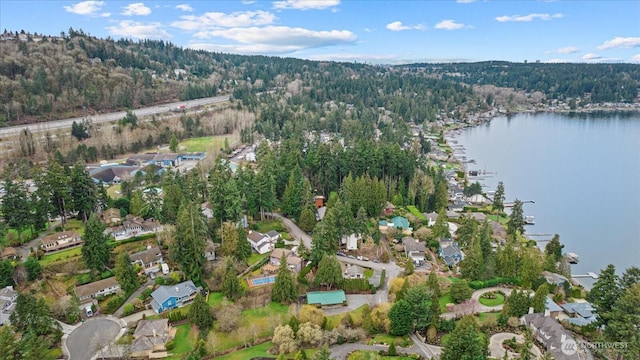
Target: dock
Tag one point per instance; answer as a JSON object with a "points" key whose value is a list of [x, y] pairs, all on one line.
{"points": [[587, 275], [510, 204]]}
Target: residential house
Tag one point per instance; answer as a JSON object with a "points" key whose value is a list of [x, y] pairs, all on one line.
{"points": [[450, 252], [399, 222], [113, 173], [350, 242], [388, 209], [581, 313], [8, 297], [274, 236], [294, 261], [111, 216], [555, 279], [207, 210], [150, 339], [149, 259], [60, 241], [98, 288], [414, 250], [552, 309], [8, 253], [431, 218], [479, 199], [134, 226], [498, 230], [353, 272], [453, 214], [320, 213], [261, 243], [171, 297], [194, 156], [326, 298], [210, 251], [162, 160], [548, 332], [478, 216]]}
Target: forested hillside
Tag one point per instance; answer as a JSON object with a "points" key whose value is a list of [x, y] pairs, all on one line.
{"points": [[52, 77]]}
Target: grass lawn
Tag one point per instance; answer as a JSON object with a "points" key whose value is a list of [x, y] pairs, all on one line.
{"points": [[444, 300], [265, 226], [263, 318], [184, 341], [334, 320], [413, 210], [53, 354], [114, 191], [255, 257], [484, 317], [215, 298], [61, 256], [501, 219], [372, 355], [454, 279], [250, 353], [499, 300], [368, 273], [208, 143], [12, 236]]}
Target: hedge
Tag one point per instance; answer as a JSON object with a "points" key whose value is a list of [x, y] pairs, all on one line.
{"points": [[302, 276], [357, 286], [383, 275], [479, 284], [414, 210]]}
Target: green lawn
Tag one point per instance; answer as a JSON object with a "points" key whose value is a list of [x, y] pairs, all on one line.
{"points": [[414, 210], [262, 318], [501, 219], [484, 317], [499, 300], [208, 143], [61, 256], [215, 298], [334, 320], [368, 273], [114, 191], [183, 342], [250, 353], [255, 257], [444, 300], [265, 226], [12, 235], [388, 339]]}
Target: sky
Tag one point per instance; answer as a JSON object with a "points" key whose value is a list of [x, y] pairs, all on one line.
{"points": [[378, 32]]}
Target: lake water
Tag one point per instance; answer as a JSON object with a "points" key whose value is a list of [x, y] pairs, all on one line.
{"points": [[582, 171]]}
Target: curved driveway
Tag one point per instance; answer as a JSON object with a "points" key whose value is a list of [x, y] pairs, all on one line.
{"points": [[497, 351], [479, 307], [85, 341]]}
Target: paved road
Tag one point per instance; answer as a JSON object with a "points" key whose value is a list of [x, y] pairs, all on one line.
{"points": [[340, 352], [497, 351], [479, 307], [152, 110], [91, 336], [298, 234], [118, 313], [25, 249]]}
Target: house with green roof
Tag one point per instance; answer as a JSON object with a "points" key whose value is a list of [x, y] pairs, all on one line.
{"points": [[326, 298]]}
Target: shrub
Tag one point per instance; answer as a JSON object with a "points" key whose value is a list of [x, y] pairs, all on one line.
{"points": [[302, 276], [384, 257], [128, 309], [159, 280], [106, 274], [169, 345], [146, 293]]}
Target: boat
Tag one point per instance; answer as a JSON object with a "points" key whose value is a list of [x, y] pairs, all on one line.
{"points": [[572, 258], [530, 220]]}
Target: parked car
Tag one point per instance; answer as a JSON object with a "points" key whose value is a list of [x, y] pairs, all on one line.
{"points": [[351, 257], [376, 260], [340, 253]]}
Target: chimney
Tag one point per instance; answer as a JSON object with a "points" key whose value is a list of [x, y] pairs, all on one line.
{"points": [[177, 289], [530, 310], [148, 246], [154, 333]]}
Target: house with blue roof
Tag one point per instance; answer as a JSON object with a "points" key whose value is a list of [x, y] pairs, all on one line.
{"points": [[450, 252], [171, 297], [400, 223], [582, 313], [551, 308]]}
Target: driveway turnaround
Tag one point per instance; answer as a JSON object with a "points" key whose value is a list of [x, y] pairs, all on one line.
{"points": [[90, 337], [497, 351]]}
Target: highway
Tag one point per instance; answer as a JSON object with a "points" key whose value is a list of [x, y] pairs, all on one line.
{"points": [[96, 119]]}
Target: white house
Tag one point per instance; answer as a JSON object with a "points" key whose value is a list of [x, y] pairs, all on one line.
{"points": [[350, 242], [261, 243], [98, 288]]}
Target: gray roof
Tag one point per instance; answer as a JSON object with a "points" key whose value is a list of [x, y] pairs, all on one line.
{"points": [[161, 294], [411, 244], [147, 256], [552, 306], [96, 286], [550, 333], [273, 233], [151, 327], [583, 309]]}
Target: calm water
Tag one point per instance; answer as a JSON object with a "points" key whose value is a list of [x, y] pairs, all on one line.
{"points": [[582, 171]]}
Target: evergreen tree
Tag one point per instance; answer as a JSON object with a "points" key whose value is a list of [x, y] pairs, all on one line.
{"points": [[284, 290], [604, 293], [32, 315], [187, 247], [200, 313], [16, 207], [466, 342], [323, 354], [6, 273], [32, 265], [137, 203], [307, 220], [125, 273], [95, 249], [433, 283], [553, 254], [472, 266], [498, 198], [57, 185], [441, 227], [329, 272], [231, 287], [173, 144], [460, 291], [84, 192], [442, 197], [516, 219], [623, 320], [517, 304], [539, 300], [506, 260], [291, 198], [171, 201]]}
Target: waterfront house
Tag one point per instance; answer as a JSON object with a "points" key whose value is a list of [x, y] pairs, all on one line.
{"points": [[548, 332], [581, 313], [554, 279], [171, 297], [60, 241], [552, 309], [98, 288], [150, 259]]}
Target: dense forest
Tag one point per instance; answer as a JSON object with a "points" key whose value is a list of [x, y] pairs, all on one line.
{"points": [[51, 77]]}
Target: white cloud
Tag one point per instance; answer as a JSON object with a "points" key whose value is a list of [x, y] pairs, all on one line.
{"points": [[248, 2], [591, 56], [136, 9], [138, 30], [305, 4], [567, 50], [451, 25], [85, 8], [184, 7], [635, 58], [107, 14], [217, 20], [465, 1], [399, 26], [620, 42], [274, 39], [528, 18]]}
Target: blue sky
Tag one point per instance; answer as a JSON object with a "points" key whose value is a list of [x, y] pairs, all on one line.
{"points": [[363, 31]]}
